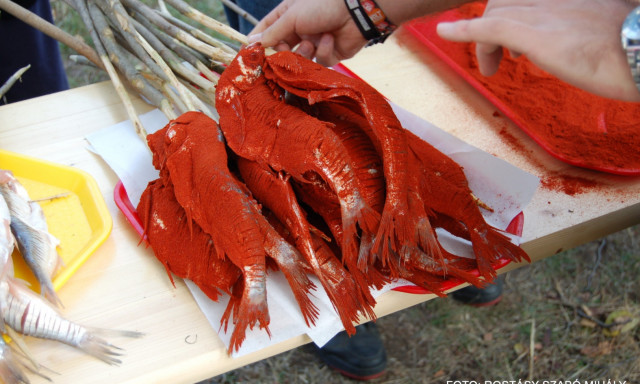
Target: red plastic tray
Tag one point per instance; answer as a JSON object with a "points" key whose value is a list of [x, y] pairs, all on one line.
{"points": [[129, 211], [424, 29]]}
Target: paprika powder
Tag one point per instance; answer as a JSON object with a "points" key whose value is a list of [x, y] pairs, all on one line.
{"points": [[575, 126]]}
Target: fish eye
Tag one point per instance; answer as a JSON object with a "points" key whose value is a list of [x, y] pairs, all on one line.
{"points": [[254, 56]]}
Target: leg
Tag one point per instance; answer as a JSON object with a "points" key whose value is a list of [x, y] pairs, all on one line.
{"points": [[480, 297], [361, 356]]}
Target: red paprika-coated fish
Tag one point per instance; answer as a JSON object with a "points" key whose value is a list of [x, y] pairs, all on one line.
{"points": [[185, 250], [196, 163], [322, 180], [316, 83], [259, 125], [275, 193], [364, 160], [445, 190]]}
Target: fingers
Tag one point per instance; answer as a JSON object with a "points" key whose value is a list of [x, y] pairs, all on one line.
{"points": [[505, 32], [489, 57], [490, 34], [276, 28], [325, 52], [306, 49]]}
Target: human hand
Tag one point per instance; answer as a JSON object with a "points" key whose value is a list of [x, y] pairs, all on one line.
{"points": [[577, 41], [320, 29]]}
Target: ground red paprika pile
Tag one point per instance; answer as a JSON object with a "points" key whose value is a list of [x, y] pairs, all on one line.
{"points": [[573, 125]]}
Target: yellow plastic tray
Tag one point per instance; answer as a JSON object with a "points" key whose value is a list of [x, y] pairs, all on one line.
{"points": [[80, 219]]}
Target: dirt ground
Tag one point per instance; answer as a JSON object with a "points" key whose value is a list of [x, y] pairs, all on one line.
{"points": [[553, 324]]}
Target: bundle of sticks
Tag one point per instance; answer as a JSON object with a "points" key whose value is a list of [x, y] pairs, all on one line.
{"points": [[173, 64]]}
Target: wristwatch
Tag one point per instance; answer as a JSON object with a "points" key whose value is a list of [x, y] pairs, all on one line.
{"points": [[630, 35]]}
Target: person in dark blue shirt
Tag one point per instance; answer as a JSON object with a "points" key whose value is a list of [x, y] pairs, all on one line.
{"points": [[22, 45]]}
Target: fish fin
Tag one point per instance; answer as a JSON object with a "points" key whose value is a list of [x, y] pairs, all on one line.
{"points": [[365, 256], [395, 229], [505, 248], [100, 349], [94, 344], [10, 371], [168, 269], [211, 291], [49, 293], [347, 298], [22, 346], [319, 233], [367, 220], [291, 263], [426, 236], [424, 279], [451, 267], [232, 306], [489, 245]]}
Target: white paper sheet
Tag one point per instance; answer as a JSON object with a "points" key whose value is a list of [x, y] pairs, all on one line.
{"points": [[502, 186]]}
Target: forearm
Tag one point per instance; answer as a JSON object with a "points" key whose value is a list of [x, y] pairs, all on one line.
{"points": [[400, 11]]}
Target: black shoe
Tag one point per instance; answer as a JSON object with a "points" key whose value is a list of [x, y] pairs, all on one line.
{"points": [[480, 297], [361, 356]]}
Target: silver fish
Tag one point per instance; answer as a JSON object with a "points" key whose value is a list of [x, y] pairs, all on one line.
{"points": [[28, 224], [29, 314], [7, 241], [10, 366]]}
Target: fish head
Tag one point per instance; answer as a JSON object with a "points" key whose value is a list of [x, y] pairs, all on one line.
{"points": [[246, 69]]}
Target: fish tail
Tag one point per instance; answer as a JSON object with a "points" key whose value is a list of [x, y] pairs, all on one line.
{"points": [[291, 264], [424, 279], [461, 268], [365, 256], [100, 349], [252, 307], [347, 298], [427, 239], [351, 254], [93, 343], [489, 246], [395, 231], [505, 248], [363, 217]]}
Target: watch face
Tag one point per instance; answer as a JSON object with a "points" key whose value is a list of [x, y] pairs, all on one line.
{"points": [[631, 27]]}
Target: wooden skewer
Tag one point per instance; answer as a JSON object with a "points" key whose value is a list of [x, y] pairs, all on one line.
{"points": [[207, 21], [82, 8], [12, 80]]}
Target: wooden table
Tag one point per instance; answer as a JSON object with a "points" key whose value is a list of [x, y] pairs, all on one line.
{"points": [[122, 285]]}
